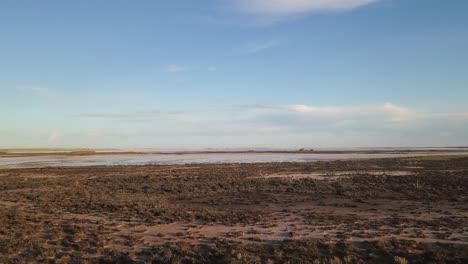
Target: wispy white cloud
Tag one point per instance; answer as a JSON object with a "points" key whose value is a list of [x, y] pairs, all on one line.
{"points": [[264, 124], [42, 91], [400, 113], [54, 136], [93, 132], [386, 112], [293, 7], [452, 115], [139, 114], [175, 68], [287, 117], [255, 47], [270, 12]]}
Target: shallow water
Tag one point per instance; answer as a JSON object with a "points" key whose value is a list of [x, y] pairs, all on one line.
{"points": [[198, 158]]}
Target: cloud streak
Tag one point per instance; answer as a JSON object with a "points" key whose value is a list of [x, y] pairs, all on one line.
{"points": [[175, 68], [287, 117], [141, 114], [54, 136], [249, 125], [294, 7], [42, 91], [387, 112], [256, 47], [271, 12]]}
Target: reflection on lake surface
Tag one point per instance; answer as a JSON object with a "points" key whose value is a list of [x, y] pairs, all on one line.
{"points": [[173, 159]]}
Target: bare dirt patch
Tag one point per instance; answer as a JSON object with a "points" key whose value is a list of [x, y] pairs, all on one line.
{"points": [[347, 211], [334, 175]]}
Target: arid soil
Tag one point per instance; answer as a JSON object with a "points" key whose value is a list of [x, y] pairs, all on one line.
{"points": [[406, 210]]}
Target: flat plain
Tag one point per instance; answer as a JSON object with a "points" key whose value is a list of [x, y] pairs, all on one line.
{"points": [[393, 210]]}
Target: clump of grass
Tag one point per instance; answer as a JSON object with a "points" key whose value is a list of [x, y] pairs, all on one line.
{"points": [[400, 260]]}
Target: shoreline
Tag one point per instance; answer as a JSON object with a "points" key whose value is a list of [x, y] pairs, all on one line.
{"points": [[99, 152], [109, 153], [44, 160]]}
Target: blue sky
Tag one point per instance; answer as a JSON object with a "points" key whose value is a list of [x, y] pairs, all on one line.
{"points": [[233, 73]]}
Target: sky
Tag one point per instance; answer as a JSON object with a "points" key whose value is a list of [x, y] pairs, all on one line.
{"points": [[233, 73]]}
